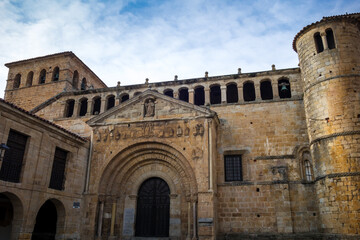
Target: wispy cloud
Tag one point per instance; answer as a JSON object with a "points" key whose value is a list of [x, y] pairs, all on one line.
{"points": [[130, 40]]}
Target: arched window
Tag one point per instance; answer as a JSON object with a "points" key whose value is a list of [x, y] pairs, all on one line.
{"points": [[284, 88], [42, 76], [136, 93], [232, 93], [124, 97], [17, 81], [56, 72], [249, 91], [199, 96], [83, 84], [69, 108], [75, 81], [110, 103], [266, 90], [330, 38], [169, 92], [215, 94], [184, 94], [96, 105], [307, 172], [318, 42], [83, 107], [29, 79]]}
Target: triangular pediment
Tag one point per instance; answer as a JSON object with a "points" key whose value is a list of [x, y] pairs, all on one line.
{"points": [[149, 106]]}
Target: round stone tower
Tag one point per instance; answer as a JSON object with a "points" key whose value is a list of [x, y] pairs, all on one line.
{"points": [[329, 55]]}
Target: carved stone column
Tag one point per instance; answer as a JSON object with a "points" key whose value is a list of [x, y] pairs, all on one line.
{"points": [[191, 96], [89, 107], [76, 108], [113, 214], [207, 95], [257, 91], [223, 94], [117, 101], [194, 220], [240, 94], [324, 40], [103, 103], [275, 89], [100, 219]]}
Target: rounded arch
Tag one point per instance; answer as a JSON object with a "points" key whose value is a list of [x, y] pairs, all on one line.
{"points": [[17, 81], [199, 95], [29, 79], [16, 211], [75, 81], [110, 101], [124, 97], [232, 95], [183, 94], [249, 91], [266, 91], [56, 74], [169, 92], [146, 155]]}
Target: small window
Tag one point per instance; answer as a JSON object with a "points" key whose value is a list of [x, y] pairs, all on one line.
{"points": [[184, 94], [58, 170], [110, 102], [233, 168], [69, 108], [307, 167], [83, 107], [330, 38], [13, 158], [215, 94], [318, 42], [125, 97], [42, 76], [266, 90], [308, 173], [284, 88], [17, 81], [29, 79], [199, 96], [83, 84], [249, 91], [169, 92], [96, 105], [56, 73], [232, 93], [75, 81]]}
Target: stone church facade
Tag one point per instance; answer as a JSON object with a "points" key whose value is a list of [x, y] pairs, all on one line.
{"points": [[272, 154]]}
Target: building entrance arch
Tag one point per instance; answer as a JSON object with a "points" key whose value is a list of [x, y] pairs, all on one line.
{"points": [[153, 209], [11, 214]]}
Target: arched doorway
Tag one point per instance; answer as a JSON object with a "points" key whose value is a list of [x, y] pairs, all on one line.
{"points": [[46, 220], [6, 217], [153, 209]]}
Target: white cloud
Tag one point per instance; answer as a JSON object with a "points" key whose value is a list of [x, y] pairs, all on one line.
{"points": [[128, 41]]}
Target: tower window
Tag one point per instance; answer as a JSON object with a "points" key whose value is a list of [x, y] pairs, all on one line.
{"points": [[307, 172], [96, 105], [69, 109], [56, 73], [330, 38], [83, 107], [42, 76], [125, 97], [233, 168], [110, 102], [17, 81], [249, 91], [58, 170], [215, 94], [184, 94], [29, 79], [75, 80], [13, 158], [266, 90], [169, 92], [83, 84], [232, 93], [284, 88], [199, 96], [318, 42]]}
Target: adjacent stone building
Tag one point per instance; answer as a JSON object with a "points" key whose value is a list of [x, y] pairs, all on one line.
{"points": [[272, 154]]}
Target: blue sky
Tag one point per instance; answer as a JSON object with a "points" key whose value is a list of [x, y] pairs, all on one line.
{"points": [[131, 40]]}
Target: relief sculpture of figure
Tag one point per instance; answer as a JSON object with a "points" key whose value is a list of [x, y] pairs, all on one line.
{"points": [[149, 108]]}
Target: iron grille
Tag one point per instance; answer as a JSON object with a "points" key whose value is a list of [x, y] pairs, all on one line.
{"points": [[233, 168]]}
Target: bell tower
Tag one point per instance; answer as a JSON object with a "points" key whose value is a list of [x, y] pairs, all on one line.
{"points": [[329, 55]]}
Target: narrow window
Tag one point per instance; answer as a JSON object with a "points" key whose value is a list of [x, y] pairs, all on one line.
{"points": [[266, 90], [83, 107], [307, 167], [17, 81], [110, 102], [69, 109], [169, 92], [13, 158], [284, 88], [83, 84], [125, 97], [249, 91], [199, 96], [330, 38], [96, 105], [308, 170], [184, 94], [215, 94], [29, 79], [58, 169], [42, 76], [318, 42], [232, 93], [75, 81], [56, 73], [233, 168]]}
